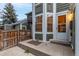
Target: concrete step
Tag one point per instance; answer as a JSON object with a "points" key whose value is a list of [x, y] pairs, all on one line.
{"points": [[32, 50], [61, 42]]}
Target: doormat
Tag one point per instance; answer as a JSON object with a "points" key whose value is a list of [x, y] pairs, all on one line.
{"points": [[34, 42]]}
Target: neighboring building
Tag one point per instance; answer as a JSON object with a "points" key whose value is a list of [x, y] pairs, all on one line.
{"points": [[51, 21], [19, 25], [29, 24], [29, 21], [1, 25]]}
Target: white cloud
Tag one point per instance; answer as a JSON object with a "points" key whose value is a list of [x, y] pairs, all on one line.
{"points": [[0, 19]]}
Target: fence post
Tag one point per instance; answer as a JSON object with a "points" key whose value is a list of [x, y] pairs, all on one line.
{"points": [[1, 41], [17, 36]]}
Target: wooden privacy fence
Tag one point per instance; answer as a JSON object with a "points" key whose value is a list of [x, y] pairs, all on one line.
{"points": [[11, 38]]}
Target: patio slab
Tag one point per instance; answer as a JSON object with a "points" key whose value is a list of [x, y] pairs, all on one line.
{"points": [[14, 51], [48, 49]]}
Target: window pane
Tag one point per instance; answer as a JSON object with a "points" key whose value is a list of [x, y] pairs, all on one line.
{"points": [[62, 23], [39, 9], [39, 24], [62, 6], [39, 36], [49, 24], [49, 36], [49, 7]]}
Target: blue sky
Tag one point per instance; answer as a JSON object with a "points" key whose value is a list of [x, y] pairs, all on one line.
{"points": [[21, 9]]}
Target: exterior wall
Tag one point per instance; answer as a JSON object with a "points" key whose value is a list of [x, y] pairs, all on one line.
{"points": [[20, 27], [17, 26], [7, 27], [33, 20], [54, 22], [45, 12], [77, 30], [44, 23]]}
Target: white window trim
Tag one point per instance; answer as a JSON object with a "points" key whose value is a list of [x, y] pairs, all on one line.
{"points": [[49, 32], [39, 32], [37, 4], [60, 14], [38, 14]]}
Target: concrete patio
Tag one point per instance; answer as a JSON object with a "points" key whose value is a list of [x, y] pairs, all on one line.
{"points": [[14, 51], [50, 49]]}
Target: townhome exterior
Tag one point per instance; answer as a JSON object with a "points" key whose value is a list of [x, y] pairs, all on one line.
{"points": [[51, 21]]}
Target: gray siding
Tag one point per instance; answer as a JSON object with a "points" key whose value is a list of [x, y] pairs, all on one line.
{"points": [[62, 6], [49, 7], [39, 9]]}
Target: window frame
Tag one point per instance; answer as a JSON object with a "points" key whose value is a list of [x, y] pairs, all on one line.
{"points": [[38, 23], [61, 24], [50, 24]]}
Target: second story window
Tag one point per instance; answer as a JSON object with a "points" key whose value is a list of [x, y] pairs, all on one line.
{"points": [[39, 8], [62, 7], [49, 7]]}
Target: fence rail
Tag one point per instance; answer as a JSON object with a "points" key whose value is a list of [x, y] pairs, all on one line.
{"points": [[11, 38]]}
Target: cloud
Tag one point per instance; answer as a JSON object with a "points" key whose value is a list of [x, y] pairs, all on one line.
{"points": [[0, 19]]}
